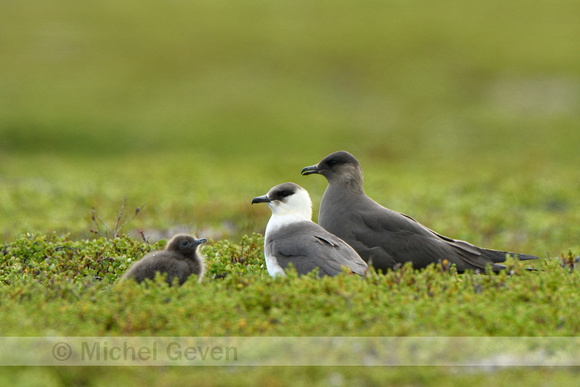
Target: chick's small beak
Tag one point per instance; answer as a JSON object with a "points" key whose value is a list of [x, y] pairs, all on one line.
{"points": [[261, 199], [310, 170]]}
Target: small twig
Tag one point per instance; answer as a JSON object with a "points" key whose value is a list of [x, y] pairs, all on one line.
{"points": [[94, 218], [119, 223], [146, 240], [119, 217], [108, 230], [117, 227]]}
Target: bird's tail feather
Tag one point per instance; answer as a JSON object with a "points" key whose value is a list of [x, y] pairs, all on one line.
{"points": [[498, 256]]}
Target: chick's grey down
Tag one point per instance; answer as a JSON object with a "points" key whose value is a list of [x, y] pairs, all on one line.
{"points": [[385, 238], [180, 259]]}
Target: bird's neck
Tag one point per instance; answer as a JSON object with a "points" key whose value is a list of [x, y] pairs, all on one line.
{"points": [[279, 220], [334, 198], [350, 186]]}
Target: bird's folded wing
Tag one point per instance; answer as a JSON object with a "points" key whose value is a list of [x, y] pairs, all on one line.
{"points": [[405, 239], [308, 248]]}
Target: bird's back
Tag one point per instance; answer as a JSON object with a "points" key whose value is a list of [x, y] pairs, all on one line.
{"points": [[163, 262]]}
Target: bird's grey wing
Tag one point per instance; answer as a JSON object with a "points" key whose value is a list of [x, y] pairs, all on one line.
{"points": [[471, 252], [404, 239], [342, 254], [308, 246]]}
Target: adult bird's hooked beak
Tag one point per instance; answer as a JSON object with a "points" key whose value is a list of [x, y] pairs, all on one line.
{"points": [[261, 199], [310, 170]]}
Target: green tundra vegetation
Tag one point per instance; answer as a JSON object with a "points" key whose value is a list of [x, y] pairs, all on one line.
{"points": [[463, 116]]}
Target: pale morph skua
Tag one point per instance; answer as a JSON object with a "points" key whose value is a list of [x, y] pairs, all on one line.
{"points": [[292, 237], [385, 238]]}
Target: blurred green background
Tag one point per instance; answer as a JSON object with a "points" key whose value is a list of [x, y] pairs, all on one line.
{"points": [[464, 116]]}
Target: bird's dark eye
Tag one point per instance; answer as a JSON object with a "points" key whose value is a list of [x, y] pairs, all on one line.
{"points": [[332, 162], [284, 194], [184, 243]]}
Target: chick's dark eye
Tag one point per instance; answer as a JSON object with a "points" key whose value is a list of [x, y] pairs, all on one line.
{"points": [[184, 243]]}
